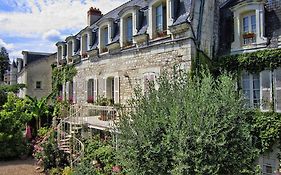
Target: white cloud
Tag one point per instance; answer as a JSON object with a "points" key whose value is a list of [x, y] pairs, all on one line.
{"points": [[42, 16], [52, 35], [9, 47]]}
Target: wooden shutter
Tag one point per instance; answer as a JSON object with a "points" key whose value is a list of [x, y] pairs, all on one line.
{"points": [[101, 87], [89, 87], [277, 87], [95, 89], [67, 90], [74, 92], [104, 87], [266, 92], [116, 89]]}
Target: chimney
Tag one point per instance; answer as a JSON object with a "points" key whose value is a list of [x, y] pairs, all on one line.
{"points": [[94, 15]]}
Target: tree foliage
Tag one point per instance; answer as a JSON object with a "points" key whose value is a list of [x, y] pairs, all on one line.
{"points": [[4, 62], [187, 127], [13, 117]]}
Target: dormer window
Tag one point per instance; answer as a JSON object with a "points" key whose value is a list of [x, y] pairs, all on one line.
{"points": [[248, 25], [61, 53], [160, 15]]}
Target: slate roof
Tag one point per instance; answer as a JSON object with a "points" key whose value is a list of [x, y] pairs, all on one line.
{"points": [[182, 15], [34, 56]]}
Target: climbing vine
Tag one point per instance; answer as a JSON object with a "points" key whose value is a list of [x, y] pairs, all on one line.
{"points": [[253, 62], [60, 75], [266, 126]]}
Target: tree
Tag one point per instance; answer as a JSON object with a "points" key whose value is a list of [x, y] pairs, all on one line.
{"points": [[13, 117], [187, 127], [39, 108], [4, 62]]}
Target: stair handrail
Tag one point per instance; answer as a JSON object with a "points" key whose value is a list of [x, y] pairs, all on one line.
{"points": [[80, 151]]}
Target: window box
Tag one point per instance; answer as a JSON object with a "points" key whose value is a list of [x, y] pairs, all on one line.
{"points": [[128, 44], [70, 100], [84, 55], [249, 35], [90, 99], [160, 34], [59, 98], [77, 59], [62, 62], [104, 49]]}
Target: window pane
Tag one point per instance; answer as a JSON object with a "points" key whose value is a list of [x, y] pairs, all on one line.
{"points": [[265, 75], [278, 78], [129, 29], [245, 24], [253, 23], [105, 35], [159, 18]]}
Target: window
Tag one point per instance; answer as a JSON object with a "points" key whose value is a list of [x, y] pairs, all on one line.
{"points": [[92, 91], [257, 89], [161, 19], [38, 85], [149, 81], [129, 35], [249, 29], [69, 48], [104, 39], [251, 89], [85, 45]]}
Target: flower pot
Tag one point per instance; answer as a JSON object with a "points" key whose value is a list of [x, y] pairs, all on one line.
{"points": [[249, 35]]}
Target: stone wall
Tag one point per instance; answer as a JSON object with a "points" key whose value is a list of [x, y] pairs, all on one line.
{"points": [[130, 65]]}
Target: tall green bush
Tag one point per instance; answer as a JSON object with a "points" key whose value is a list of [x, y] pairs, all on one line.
{"points": [[13, 117], [187, 127]]}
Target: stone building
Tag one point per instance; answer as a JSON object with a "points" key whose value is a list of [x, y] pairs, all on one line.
{"points": [[250, 26], [35, 71], [134, 43]]}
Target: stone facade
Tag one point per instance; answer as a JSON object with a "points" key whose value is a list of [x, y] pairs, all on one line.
{"points": [[36, 74]]}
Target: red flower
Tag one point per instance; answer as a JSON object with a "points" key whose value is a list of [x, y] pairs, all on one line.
{"points": [[59, 98], [116, 169], [90, 99]]}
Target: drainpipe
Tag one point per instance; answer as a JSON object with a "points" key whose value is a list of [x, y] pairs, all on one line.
{"points": [[199, 31]]}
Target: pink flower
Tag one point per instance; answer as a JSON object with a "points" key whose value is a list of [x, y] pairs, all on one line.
{"points": [[116, 169]]}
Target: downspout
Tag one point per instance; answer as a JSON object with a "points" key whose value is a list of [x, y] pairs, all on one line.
{"points": [[199, 30]]}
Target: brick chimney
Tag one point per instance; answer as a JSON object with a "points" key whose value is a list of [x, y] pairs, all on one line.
{"points": [[94, 15]]}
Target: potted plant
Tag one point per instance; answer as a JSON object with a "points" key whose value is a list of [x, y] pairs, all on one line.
{"points": [[161, 33], [90, 99], [84, 55], [70, 100], [102, 101], [104, 49], [249, 35]]}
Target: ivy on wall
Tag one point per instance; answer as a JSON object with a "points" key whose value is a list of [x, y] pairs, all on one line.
{"points": [[253, 62], [266, 126], [61, 75]]}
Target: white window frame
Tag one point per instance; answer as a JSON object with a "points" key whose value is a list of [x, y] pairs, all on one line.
{"points": [[152, 16], [251, 89], [239, 10], [108, 22]]}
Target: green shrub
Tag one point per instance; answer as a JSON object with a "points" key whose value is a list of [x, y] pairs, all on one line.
{"points": [[67, 171], [187, 127], [43, 131]]}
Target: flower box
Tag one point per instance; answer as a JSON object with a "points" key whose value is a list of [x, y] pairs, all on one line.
{"points": [[70, 100], [84, 55], [249, 35], [161, 33], [90, 99], [104, 50]]}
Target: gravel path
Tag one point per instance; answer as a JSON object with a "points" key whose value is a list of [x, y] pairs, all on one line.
{"points": [[19, 167]]}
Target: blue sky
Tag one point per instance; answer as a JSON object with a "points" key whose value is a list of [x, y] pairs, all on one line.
{"points": [[36, 25]]}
